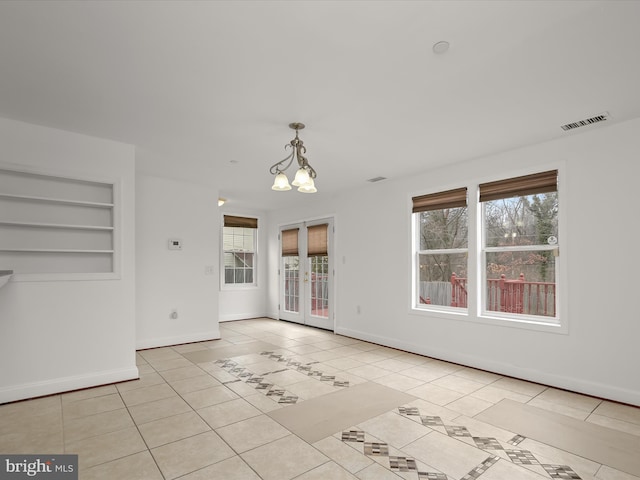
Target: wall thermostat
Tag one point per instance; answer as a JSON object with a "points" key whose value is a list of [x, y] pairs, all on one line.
{"points": [[175, 244]]}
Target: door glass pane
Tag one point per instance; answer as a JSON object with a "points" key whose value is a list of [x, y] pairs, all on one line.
{"points": [[291, 267], [319, 268]]}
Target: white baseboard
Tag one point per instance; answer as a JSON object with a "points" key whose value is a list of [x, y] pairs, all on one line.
{"points": [[586, 387], [66, 384], [178, 339], [240, 316]]}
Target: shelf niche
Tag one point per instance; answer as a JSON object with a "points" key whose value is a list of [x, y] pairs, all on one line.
{"points": [[56, 225]]}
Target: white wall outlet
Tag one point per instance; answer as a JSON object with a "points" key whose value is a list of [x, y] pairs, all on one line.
{"points": [[175, 244], [174, 314], [209, 270]]}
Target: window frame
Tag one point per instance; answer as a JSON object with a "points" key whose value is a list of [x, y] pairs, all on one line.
{"points": [[245, 285], [417, 252], [476, 282]]}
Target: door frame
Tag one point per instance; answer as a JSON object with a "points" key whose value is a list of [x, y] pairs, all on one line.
{"points": [[304, 317]]}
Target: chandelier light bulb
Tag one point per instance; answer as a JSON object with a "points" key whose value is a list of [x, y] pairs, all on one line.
{"points": [[281, 183], [302, 177], [308, 187]]}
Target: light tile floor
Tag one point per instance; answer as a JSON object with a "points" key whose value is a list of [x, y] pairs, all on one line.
{"points": [[193, 417]]}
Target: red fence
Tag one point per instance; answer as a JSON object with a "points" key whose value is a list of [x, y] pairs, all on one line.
{"points": [[511, 296]]}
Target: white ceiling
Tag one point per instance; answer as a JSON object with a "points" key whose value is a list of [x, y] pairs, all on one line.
{"points": [[199, 85]]}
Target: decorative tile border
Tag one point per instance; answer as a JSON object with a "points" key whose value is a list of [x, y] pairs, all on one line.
{"points": [[242, 374], [518, 457], [522, 457], [480, 469], [396, 463], [561, 471], [487, 443], [402, 464], [305, 368], [431, 476], [353, 436], [272, 391], [376, 449]]}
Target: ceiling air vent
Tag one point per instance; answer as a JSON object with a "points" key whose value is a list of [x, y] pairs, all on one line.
{"points": [[587, 121], [376, 179]]}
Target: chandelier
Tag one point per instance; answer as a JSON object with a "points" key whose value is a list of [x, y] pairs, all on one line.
{"points": [[305, 174]]}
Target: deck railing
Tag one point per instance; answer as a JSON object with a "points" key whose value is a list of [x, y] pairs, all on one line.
{"points": [[510, 296]]}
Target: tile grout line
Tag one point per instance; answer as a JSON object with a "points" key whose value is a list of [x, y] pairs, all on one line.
{"points": [[211, 428], [138, 427], [199, 416]]}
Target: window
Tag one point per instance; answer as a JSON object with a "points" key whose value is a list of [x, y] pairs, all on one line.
{"points": [[239, 239], [442, 248], [520, 244], [515, 257]]}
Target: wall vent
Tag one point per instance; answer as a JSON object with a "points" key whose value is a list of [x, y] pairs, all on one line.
{"points": [[587, 121], [376, 179]]}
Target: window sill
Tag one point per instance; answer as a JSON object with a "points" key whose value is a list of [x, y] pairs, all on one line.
{"points": [[525, 322], [238, 286], [521, 321]]}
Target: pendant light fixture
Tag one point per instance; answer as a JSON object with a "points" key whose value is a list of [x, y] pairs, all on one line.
{"points": [[305, 173]]}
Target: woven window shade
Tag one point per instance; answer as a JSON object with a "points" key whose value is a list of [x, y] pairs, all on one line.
{"points": [[317, 240], [290, 242], [437, 201], [231, 221], [520, 186]]}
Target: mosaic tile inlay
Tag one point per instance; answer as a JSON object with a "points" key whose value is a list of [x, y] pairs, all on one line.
{"points": [[403, 464], [561, 471], [272, 391], [303, 368], [522, 457], [353, 436], [430, 421], [480, 469], [376, 449], [518, 457], [516, 440], [456, 431], [487, 443], [431, 476]]}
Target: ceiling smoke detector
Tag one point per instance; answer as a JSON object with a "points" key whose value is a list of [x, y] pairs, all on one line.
{"points": [[587, 121]]}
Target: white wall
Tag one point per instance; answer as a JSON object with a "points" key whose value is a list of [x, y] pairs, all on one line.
{"points": [[175, 279], [597, 356], [64, 335], [242, 302]]}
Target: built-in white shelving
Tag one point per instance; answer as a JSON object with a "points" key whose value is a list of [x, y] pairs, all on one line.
{"points": [[53, 250], [64, 201], [56, 225]]}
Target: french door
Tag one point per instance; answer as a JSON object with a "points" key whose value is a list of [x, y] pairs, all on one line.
{"points": [[306, 273]]}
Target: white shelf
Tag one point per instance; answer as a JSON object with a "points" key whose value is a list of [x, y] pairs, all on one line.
{"points": [[60, 201], [52, 250], [54, 225]]}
